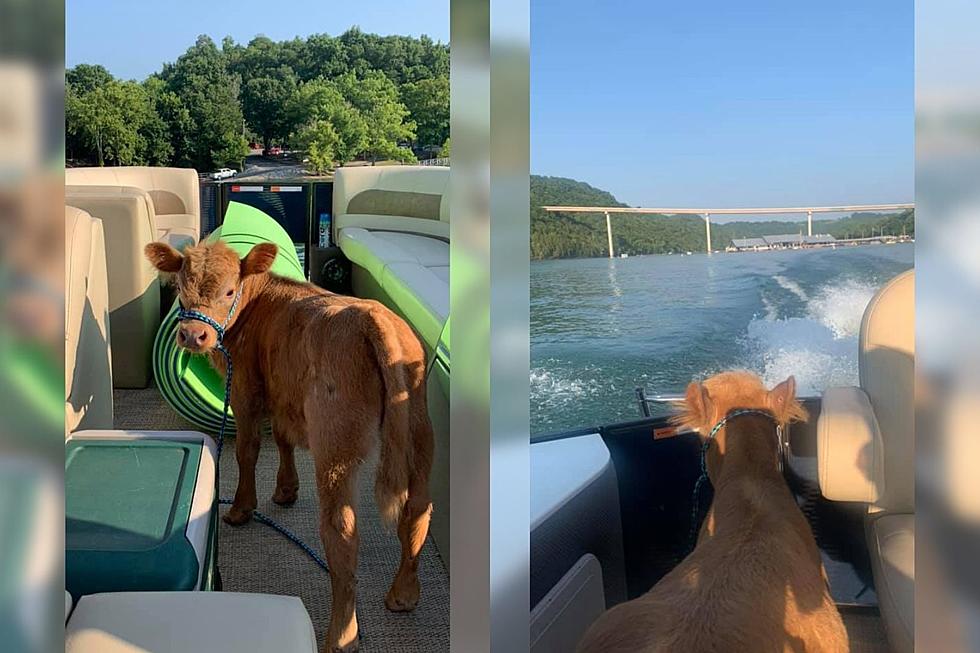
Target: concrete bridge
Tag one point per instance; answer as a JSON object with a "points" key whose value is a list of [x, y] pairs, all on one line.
{"points": [[707, 213]]}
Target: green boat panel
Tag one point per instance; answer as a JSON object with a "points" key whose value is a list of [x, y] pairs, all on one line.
{"points": [[424, 318]]}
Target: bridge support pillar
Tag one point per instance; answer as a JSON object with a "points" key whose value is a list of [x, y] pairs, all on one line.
{"points": [[609, 235], [809, 223], [707, 232]]}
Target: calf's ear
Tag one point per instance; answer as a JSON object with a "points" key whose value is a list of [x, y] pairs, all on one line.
{"points": [[259, 259], [163, 257], [696, 413], [783, 402]]}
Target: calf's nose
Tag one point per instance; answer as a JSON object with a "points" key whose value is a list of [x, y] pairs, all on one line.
{"points": [[191, 336]]}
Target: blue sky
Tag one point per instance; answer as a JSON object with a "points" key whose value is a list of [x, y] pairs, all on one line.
{"points": [[133, 38], [720, 103]]}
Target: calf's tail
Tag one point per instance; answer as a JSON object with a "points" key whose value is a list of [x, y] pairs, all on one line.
{"points": [[397, 453]]}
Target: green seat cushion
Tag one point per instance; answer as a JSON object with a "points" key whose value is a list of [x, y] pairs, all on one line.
{"points": [[413, 272]]}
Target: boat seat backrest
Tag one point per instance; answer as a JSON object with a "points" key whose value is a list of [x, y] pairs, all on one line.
{"points": [[88, 374], [411, 199], [172, 190], [865, 434], [134, 289], [886, 362]]}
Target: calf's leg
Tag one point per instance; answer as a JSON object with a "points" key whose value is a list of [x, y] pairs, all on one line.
{"points": [[287, 480], [247, 444], [413, 525], [336, 477]]}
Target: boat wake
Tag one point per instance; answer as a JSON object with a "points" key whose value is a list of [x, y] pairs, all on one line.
{"points": [[552, 390], [791, 286], [820, 347]]}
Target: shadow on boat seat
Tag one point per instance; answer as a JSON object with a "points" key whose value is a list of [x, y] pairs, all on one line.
{"points": [[88, 373], [865, 450], [140, 508]]}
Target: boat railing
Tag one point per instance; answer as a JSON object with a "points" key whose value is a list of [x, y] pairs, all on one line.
{"points": [[671, 399]]}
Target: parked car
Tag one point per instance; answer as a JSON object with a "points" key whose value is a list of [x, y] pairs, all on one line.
{"points": [[275, 150], [223, 173]]}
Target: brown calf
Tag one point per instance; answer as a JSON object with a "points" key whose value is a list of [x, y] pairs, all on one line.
{"points": [[755, 581], [330, 372]]}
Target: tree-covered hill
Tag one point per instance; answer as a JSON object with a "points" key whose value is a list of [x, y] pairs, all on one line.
{"points": [[578, 235], [356, 95]]}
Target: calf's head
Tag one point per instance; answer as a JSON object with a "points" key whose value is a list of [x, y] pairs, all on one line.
{"points": [[208, 277], [708, 402]]}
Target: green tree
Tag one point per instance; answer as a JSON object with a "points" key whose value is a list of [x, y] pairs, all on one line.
{"points": [[444, 152], [321, 55], [264, 105], [321, 101], [177, 119], [393, 92], [201, 78], [87, 77], [111, 120], [376, 99], [427, 101], [321, 142]]}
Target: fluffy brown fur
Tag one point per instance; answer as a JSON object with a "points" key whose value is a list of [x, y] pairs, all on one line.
{"points": [[330, 372], [755, 581]]}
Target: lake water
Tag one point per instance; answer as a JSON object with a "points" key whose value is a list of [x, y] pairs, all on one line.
{"points": [[600, 328]]}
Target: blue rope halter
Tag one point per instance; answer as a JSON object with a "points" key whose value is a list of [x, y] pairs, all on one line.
{"points": [[692, 535], [190, 314]]}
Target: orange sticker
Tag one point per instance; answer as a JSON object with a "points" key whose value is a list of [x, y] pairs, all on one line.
{"points": [[664, 432]]}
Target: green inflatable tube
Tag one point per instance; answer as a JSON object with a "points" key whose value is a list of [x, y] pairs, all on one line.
{"points": [[188, 382]]}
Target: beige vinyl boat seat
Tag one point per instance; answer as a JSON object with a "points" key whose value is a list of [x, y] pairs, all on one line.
{"points": [[134, 287], [392, 222], [866, 447], [178, 622], [173, 196], [88, 358]]}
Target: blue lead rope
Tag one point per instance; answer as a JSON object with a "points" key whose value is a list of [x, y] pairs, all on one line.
{"points": [[695, 507], [186, 314], [291, 536]]}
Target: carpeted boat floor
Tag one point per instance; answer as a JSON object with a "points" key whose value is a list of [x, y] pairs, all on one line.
{"points": [[254, 558], [865, 631]]}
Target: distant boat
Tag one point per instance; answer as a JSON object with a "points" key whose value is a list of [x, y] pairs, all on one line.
{"points": [[624, 255]]}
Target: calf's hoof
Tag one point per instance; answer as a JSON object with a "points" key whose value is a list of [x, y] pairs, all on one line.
{"points": [[237, 516], [285, 496], [403, 596], [350, 648]]}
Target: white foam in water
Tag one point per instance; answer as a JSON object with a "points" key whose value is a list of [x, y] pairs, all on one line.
{"points": [[550, 389], [841, 307], [820, 350], [791, 286]]}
